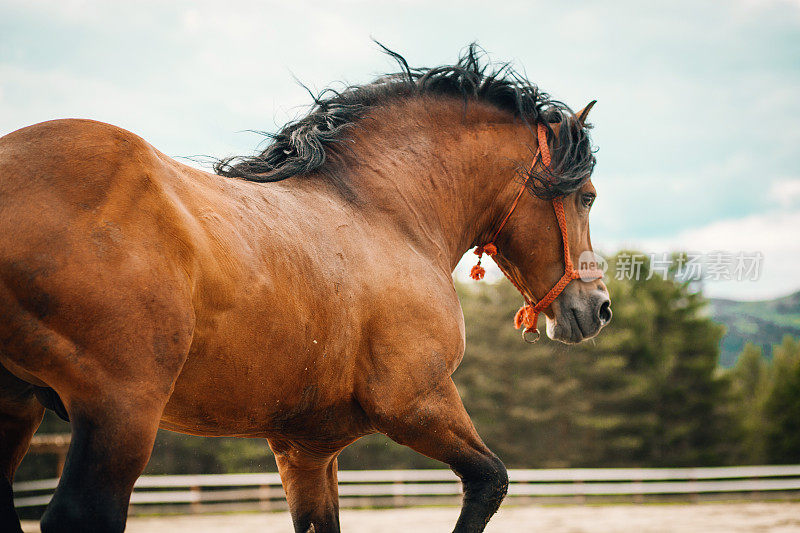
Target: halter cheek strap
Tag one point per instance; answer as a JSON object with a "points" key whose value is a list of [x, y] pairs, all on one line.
{"points": [[528, 314]]}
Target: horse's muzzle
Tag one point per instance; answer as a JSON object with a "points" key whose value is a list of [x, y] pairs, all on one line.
{"points": [[579, 314]]}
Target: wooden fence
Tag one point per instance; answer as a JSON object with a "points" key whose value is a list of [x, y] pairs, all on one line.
{"points": [[400, 488]]}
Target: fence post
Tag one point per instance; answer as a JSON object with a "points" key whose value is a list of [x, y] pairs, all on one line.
{"points": [[197, 504], [638, 493], [264, 500], [398, 498], [62, 459], [580, 495]]}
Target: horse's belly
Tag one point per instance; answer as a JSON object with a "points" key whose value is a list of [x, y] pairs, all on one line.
{"points": [[274, 417], [302, 396]]}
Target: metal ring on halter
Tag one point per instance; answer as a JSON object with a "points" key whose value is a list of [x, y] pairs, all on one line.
{"points": [[525, 331]]}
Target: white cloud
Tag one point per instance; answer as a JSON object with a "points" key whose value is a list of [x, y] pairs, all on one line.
{"points": [[786, 192]]}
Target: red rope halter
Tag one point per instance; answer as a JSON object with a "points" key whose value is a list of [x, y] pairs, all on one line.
{"points": [[528, 314]]}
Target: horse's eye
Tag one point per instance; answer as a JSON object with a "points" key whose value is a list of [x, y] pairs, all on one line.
{"points": [[588, 199]]}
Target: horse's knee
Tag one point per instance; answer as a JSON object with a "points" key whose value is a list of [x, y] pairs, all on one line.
{"points": [[485, 480]]}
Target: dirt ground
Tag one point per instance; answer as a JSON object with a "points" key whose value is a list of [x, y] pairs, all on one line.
{"points": [[777, 517]]}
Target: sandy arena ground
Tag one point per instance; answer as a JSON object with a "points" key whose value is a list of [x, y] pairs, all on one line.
{"points": [[777, 517]]}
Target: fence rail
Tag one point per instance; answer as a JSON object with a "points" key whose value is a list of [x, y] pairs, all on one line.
{"points": [[398, 488]]}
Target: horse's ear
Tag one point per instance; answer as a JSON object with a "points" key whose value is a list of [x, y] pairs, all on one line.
{"points": [[583, 113]]}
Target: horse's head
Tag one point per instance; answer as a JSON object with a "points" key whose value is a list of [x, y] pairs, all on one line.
{"points": [[531, 248]]}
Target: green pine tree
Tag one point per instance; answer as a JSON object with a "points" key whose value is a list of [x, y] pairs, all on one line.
{"points": [[749, 388], [782, 406]]}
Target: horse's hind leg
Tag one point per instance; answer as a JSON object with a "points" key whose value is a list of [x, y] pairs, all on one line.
{"points": [[114, 373], [115, 396], [308, 473], [112, 437], [20, 415], [110, 338]]}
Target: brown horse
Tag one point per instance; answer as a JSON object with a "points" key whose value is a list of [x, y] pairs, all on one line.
{"points": [[305, 298]]}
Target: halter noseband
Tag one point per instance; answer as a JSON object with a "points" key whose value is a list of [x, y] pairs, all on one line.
{"points": [[528, 314]]}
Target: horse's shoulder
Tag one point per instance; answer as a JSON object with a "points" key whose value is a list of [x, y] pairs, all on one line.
{"points": [[421, 316]]}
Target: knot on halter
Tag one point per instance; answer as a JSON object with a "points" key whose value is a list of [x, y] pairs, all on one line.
{"points": [[526, 316], [478, 271], [529, 313]]}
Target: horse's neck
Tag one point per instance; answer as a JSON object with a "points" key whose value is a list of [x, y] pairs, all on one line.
{"points": [[445, 177]]}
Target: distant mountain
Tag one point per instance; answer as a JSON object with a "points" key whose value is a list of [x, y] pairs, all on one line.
{"points": [[763, 323]]}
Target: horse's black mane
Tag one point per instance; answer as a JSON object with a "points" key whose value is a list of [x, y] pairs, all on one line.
{"points": [[309, 144]]}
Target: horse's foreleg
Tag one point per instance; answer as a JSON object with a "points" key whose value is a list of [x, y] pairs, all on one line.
{"points": [[437, 425], [20, 415], [308, 473]]}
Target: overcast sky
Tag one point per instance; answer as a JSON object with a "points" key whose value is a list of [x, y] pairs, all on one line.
{"points": [[695, 121]]}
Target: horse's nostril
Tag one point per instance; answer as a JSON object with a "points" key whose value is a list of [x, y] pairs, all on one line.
{"points": [[604, 313]]}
